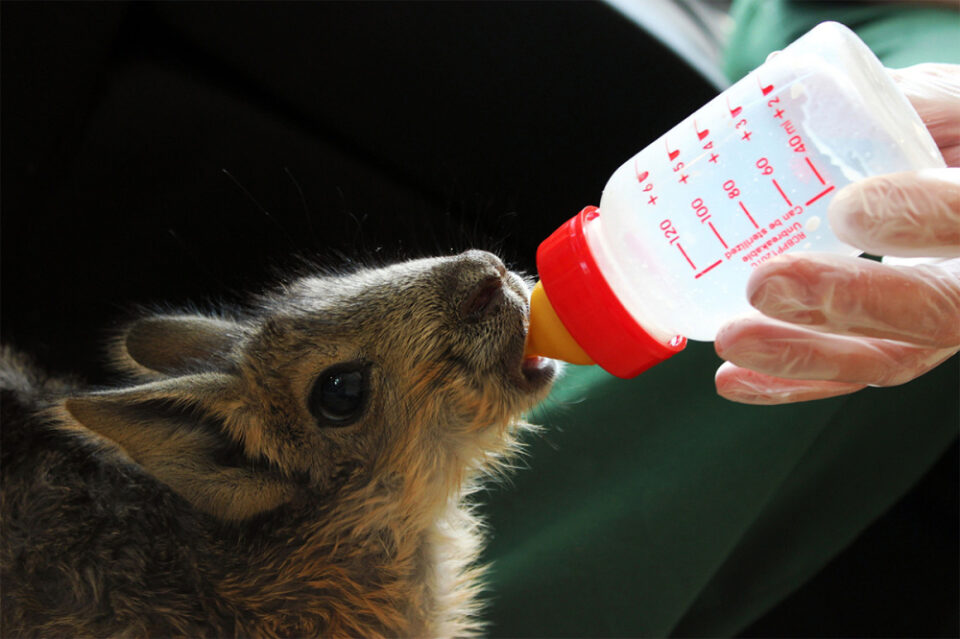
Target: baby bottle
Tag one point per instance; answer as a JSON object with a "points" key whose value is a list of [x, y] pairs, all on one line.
{"points": [[747, 177]]}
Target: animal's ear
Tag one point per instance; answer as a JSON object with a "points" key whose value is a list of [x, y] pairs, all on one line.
{"points": [[170, 345], [176, 430]]}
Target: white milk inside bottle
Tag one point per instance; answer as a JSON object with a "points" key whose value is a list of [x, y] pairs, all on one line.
{"points": [[748, 177]]}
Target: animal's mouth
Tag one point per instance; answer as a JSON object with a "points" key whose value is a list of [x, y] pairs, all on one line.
{"points": [[495, 306], [537, 372]]}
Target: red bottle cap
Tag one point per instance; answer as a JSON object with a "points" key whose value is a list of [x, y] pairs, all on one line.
{"points": [[588, 307]]}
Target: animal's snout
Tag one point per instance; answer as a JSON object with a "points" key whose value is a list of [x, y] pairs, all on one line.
{"points": [[480, 281]]}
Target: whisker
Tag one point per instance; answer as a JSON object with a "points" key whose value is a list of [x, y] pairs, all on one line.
{"points": [[303, 201], [260, 206]]}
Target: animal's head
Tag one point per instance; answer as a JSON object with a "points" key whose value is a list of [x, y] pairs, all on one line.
{"points": [[411, 375]]}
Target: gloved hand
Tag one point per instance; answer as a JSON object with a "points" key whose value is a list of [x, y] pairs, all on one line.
{"points": [[832, 324]]}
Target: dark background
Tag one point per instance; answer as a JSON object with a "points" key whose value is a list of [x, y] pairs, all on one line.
{"points": [[175, 153]]}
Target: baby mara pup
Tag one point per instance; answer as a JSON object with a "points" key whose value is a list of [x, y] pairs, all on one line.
{"points": [[299, 472]]}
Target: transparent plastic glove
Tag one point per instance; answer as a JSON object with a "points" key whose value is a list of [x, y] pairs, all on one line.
{"points": [[832, 325]]}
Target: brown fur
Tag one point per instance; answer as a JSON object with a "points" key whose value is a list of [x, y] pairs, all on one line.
{"points": [[206, 500]]}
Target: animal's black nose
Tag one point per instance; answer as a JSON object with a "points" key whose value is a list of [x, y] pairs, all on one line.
{"points": [[480, 282]]}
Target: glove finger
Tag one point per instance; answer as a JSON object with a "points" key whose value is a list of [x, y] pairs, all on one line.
{"points": [[854, 296], [910, 214], [786, 351], [750, 387], [951, 154], [934, 91]]}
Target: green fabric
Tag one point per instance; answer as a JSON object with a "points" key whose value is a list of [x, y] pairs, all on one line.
{"points": [[651, 507], [899, 34]]}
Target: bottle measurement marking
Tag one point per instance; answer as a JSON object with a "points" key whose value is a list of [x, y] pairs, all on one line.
{"points": [[708, 269], [764, 89], [780, 112], [672, 154], [749, 217], [673, 238], [678, 167], [731, 189], [689, 261], [796, 143], [641, 178], [820, 195], [703, 213], [701, 135], [717, 233], [734, 111], [733, 192], [815, 171], [763, 230], [741, 123], [784, 195]]}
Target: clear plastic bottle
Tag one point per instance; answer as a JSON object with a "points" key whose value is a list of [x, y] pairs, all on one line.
{"points": [[747, 177]]}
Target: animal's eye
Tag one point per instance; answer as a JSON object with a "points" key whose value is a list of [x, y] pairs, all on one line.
{"points": [[339, 394]]}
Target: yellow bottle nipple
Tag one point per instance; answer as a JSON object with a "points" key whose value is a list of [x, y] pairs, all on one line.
{"points": [[547, 336]]}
